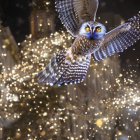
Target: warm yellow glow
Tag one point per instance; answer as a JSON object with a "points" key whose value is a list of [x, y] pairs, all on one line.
{"points": [[99, 122]]}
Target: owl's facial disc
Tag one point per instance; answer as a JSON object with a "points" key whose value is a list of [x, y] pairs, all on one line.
{"points": [[92, 30]]}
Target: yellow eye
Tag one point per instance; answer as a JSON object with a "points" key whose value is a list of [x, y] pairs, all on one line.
{"points": [[87, 29], [98, 29]]}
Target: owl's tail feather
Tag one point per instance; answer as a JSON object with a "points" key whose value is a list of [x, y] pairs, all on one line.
{"points": [[61, 70]]}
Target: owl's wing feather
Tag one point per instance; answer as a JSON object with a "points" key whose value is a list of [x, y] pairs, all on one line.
{"points": [[65, 69], [119, 39], [73, 13]]}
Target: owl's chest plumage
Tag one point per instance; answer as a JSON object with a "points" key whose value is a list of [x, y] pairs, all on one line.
{"points": [[85, 46]]}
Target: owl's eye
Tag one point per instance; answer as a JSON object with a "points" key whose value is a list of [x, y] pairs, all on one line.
{"points": [[98, 29], [87, 29]]}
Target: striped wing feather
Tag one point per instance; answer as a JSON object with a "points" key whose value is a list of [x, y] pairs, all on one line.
{"points": [[73, 13], [119, 39], [61, 71], [75, 72]]}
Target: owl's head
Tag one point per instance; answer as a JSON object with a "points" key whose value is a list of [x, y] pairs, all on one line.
{"points": [[92, 30]]}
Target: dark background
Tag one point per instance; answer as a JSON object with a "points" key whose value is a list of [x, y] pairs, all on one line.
{"points": [[15, 14]]}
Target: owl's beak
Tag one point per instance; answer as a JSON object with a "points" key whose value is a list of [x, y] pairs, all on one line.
{"points": [[92, 31]]}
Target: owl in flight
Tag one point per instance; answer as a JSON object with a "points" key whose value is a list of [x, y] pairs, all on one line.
{"points": [[79, 17]]}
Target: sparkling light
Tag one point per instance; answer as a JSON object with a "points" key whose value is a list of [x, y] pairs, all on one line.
{"points": [[107, 99]]}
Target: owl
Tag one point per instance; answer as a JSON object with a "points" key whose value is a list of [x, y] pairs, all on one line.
{"points": [[70, 65]]}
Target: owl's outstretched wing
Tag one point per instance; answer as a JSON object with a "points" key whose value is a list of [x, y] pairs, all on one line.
{"points": [[119, 39], [65, 69], [73, 13]]}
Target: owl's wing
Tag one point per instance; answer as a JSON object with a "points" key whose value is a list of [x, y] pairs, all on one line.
{"points": [[73, 13], [65, 69], [119, 39]]}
